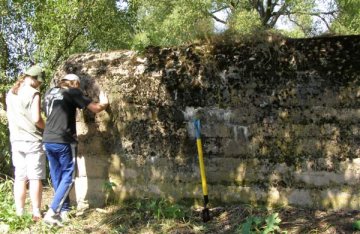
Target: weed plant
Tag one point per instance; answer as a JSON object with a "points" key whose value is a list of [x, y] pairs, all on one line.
{"points": [[156, 214], [8, 217], [260, 225]]}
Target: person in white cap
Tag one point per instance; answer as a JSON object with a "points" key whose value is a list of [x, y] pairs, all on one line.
{"points": [[25, 126], [60, 140]]}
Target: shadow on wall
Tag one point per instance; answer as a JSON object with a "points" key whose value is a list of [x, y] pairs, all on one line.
{"points": [[91, 187]]}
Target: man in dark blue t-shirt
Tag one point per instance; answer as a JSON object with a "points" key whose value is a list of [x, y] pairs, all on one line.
{"points": [[60, 104]]}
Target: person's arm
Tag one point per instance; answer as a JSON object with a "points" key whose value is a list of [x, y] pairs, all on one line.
{"points": [[35, 112], [96, 107]]}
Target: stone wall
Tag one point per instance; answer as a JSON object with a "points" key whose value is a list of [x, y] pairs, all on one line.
{"points": [[279, 122]]}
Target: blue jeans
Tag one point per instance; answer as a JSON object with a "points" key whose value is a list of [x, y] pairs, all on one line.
{"points": [[62, 171]]}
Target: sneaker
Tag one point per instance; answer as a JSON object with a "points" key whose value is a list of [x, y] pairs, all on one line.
{"points": [[52, 218], [36, 218], [65, 217], [36, 215], [20, 212]]}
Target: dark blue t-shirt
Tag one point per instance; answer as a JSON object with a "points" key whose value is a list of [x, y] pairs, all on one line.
{"points": [[60, 109]]}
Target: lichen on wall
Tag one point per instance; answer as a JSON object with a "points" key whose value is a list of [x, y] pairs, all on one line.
{"points": [[279, 122]]}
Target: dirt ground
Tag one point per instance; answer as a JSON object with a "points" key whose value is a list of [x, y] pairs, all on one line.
{"points": [[223, 220]]}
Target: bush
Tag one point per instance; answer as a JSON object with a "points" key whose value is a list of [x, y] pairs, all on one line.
{"points": [[5, 156]]}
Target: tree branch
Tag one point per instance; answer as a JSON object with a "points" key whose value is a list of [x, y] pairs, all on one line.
{"points": [[297, 24], [216, 18], [310, 13], [277, 14], [274, 5], [267, 13], [260, 8], [217, 10], [326, 23], [234, 5]]}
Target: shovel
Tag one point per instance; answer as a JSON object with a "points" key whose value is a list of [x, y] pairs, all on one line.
{"points": [[205, 211]]}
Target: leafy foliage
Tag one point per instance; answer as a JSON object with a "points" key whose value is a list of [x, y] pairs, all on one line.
{"points": [[5, 158], [9, 221], [47, 32], [246, 22], [16, 40], [348, 20], [172, 22], [160, 209], [7, 209], [156, 213], [66, 27], [255, 224]]}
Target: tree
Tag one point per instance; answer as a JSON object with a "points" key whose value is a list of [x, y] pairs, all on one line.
{"points": [[348, 19], [16, 43], [66, 27], [170, 22], [267, 13], [176, 22], [49, 31]]}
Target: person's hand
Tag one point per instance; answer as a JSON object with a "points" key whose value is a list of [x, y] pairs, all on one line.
{"points": [[103, 99], [101, 105]]}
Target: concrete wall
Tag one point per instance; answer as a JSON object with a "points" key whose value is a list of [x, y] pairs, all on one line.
{"points": [[279, 122]]}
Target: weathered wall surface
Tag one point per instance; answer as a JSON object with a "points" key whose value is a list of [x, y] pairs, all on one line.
{"points": [[280, 122]]}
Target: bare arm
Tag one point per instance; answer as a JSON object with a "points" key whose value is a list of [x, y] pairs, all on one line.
{"points": [[96, 107], [35, 112]]}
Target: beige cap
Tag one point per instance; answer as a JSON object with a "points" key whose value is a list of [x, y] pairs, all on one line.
{"points": [[71, 77]]}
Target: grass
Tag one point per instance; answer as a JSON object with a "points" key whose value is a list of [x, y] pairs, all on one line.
{"points": [[160, 216], [148, 215], [9, 221], [7, 209], [133, 216]]}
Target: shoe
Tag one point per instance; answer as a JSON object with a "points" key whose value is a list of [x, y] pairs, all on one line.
{"points": [[52, 219], [65, 217], [36, 218], [20, 212], [36, 215]]}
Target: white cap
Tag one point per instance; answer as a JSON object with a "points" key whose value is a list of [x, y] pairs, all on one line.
{"points": [[71, 77]]}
